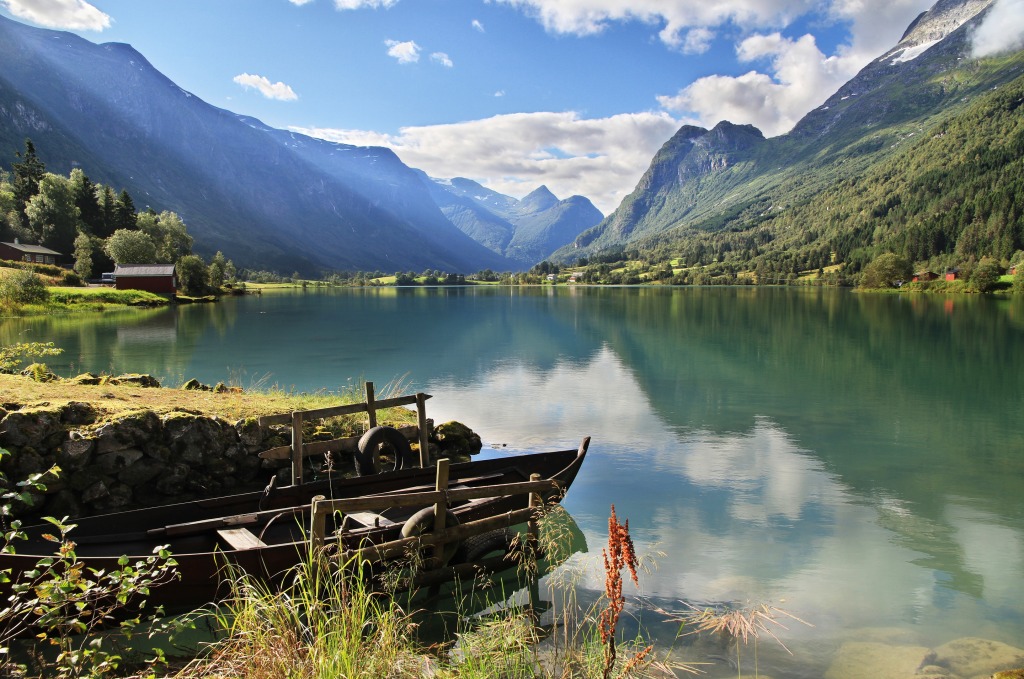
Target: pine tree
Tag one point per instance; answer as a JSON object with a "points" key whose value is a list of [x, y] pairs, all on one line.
{"points": [[27, 175]]}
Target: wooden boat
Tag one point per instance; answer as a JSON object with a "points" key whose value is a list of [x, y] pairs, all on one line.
{"points": [[266, 533]]}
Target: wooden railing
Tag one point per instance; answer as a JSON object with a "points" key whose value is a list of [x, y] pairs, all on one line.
{"points": [[297, 451], [440, 498]]}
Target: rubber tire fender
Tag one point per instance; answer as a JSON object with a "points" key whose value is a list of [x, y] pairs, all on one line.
{"points": [[476, 547], [367, 457], [422, 523]]}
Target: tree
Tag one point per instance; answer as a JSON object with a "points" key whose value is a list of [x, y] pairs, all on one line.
{"points": [[885, 271], [124, 212], [193, 275], [1018, 280], [108, 212], [52, 214], [168, 233], [86, 201], [985, 275], [83, 255], [126, 246], [217, 269], [27, 175]]}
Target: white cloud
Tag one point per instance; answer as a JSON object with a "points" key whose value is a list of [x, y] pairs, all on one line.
{"points": [[407, 52], [697, 41], [477, 25], [803, 78], [602, 159], [500, 93], [300, 3], [799, 76], [269, 90], [65, 14], [441, 58], [1002, 30], [360, 4]]}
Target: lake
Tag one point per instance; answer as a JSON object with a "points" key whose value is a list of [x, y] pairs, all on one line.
{"points": [[854, 459]]}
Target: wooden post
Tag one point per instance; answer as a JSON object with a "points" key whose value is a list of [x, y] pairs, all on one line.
{"points": [[296, 448], [421, 416], [318, 524], [371, 409], [536, 502], [440, 509]]}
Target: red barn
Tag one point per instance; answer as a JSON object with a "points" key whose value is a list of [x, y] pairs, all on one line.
{"points": [[953, 274], [158, 278], [925, 276], [20, 252]]}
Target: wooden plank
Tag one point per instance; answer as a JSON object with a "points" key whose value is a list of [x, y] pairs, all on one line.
{"points": [[375, 502], [296, 452], [241, 538], [334, 411], [371, 407], [193, 527], [370, 519], [424, 430], [318, 524], [441, 506], [347, 444]]}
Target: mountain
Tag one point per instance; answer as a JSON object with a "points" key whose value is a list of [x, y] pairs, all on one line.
{"points": [[526, 231], [267, 198], [729, 195]]}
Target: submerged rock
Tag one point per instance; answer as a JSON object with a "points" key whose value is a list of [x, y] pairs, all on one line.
{"points": [[971, 656], [873, 660]]}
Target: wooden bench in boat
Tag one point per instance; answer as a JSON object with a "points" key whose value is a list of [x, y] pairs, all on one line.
{"points": [[240, 538]]}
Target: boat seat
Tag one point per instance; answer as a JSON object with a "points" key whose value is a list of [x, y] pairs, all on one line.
{"points": [[370, 519], [240, 538]]}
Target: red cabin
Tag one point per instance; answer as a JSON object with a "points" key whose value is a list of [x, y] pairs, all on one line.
{"points": [[36, 254], [158, 278]]}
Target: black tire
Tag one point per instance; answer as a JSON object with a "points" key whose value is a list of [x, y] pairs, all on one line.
{"points": [[476, 547], [422, 523], [367, 457]]}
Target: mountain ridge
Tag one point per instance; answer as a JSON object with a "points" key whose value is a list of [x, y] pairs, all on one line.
{"points": [[733, 199], [273, 199]]}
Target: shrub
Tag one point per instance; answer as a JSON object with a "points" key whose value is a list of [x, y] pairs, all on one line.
{"points": [[23, 286]]}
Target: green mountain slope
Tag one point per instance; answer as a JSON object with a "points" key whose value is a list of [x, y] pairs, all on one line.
{"points": [[882, 165]]}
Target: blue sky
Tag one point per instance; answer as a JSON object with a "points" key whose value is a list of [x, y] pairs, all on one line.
{"points": [[575, 94]]}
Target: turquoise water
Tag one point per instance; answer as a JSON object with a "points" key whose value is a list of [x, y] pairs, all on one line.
{"points": [[857, 460]]}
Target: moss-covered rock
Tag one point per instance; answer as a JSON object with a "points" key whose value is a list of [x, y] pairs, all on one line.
{"points": [[136, 379], [456, 439]]}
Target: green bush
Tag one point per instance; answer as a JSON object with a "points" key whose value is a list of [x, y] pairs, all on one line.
{"points": [[23, 286]]}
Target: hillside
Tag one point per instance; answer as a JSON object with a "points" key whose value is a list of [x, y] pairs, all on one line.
{"points": [[876, 167], [526, 231], [268, 198]]}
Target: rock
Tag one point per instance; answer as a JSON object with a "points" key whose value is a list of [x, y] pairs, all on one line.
{"points": [[173, 480], [971, 656], [38, 427], [97, 491], [250, 433], [195, 385], [1009, 674], [112, 463], [131, 431], [75, 453], [76, 413], [873, 660], [136, 380], [85, 378], [455, 438], [140, 471]]}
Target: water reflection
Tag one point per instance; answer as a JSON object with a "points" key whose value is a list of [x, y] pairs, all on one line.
{"points": [[857, 455]]}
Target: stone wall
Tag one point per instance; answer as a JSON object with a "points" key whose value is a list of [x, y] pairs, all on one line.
{"points": [[139, 459], [144, 458]]}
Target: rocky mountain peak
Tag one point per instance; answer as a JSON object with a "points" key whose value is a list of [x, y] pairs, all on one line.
{"points": [[944, 17]]}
